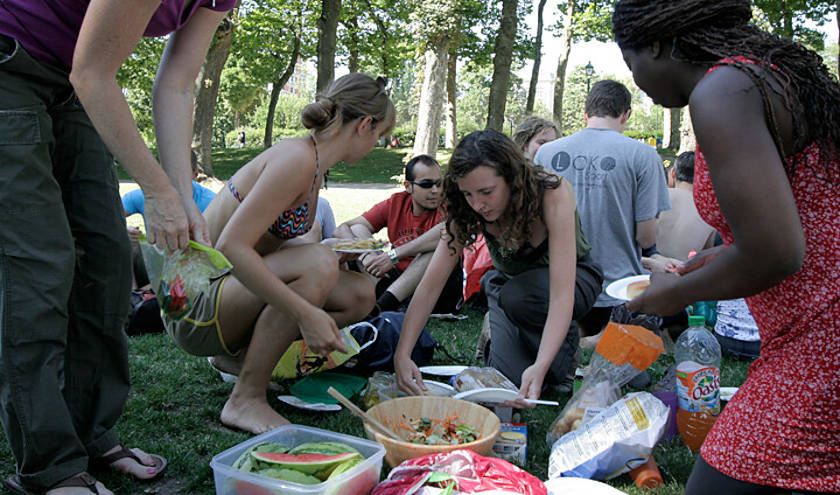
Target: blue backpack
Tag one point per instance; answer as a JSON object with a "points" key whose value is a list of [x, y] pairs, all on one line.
{"points": [[379, 356]]}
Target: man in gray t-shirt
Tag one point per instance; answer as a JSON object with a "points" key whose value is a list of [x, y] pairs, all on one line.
{"points": [[620, 188]]}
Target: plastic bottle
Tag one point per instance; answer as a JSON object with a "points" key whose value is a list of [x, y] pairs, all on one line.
{"points": [[647, 475], [697, 353]]}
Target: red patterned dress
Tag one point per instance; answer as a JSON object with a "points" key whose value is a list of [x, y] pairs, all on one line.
{"points": [[783, 427]]}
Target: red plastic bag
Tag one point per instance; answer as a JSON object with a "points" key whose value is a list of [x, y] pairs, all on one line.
{"points": [[476, 263], [462, 470]]}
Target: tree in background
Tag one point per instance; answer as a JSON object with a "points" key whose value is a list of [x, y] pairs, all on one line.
{"points": [[791, 19], [502, 58], [583, 20], [327, 29], [434, 22], [535, 70], [273, 36], [207, 93], [374, 36]]}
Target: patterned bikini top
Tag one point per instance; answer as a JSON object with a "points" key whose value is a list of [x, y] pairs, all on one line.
{"points": [[293, 222]]}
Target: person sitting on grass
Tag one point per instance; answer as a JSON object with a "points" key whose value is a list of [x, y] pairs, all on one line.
{"points": [[544, 276], [276, 292], [767, 177], [532, 133], [414, 220]]}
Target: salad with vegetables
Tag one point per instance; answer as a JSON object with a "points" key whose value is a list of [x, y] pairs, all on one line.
{"points": [[447, 431]]}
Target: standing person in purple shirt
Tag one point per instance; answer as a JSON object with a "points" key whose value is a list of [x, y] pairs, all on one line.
{"points": [[64, 253]]}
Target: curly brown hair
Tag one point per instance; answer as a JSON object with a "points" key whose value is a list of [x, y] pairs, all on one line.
{"points": [[706, 32], [527, 183]]}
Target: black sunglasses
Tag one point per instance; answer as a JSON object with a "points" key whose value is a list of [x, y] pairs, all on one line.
{"points": [[427, 183]]}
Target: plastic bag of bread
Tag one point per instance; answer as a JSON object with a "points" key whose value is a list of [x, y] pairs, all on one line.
{"points": [[623, 352], [474, 378]]}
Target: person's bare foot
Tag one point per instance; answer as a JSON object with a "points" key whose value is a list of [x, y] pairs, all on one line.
{"points": [[254, 416]]}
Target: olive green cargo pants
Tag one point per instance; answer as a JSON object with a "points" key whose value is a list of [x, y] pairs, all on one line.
{"points": [[64, 276]]}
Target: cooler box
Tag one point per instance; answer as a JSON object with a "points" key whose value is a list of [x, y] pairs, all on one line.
{"points": [[357, 481]]}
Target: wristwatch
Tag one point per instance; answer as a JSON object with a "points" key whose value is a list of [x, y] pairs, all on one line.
{"points": [[392, 255]]}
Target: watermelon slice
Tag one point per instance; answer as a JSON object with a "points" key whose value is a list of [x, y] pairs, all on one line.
{"points": [[312, 464]]}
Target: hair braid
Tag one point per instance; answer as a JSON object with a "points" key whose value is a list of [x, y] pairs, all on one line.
{"points": [[706, 32]]}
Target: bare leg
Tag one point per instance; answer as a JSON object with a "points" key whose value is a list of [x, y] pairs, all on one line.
{"points": [[352, 299], [404, 286], [312, 272]]}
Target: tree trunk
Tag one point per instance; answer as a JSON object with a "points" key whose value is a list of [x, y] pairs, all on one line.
{"points": [[838, 39], [207, 92], [431, 97], [327, 27], [276, 86], [451, 139], [352, 25], [562, 62], [501, 67], [535, 71], [687, 140], [671, 128], [787, 27]]}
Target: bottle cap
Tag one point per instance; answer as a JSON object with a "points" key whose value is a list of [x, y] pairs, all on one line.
{"points": [[696, 321]]}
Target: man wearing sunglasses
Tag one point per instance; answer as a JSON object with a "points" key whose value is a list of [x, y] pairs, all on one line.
{"points": [[414, 220]]}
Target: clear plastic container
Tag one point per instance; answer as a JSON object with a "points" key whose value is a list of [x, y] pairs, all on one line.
{"points": [[357, 481], [697, 353]]}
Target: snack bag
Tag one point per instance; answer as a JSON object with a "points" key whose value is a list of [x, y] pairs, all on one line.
{"points": [[616, 440], [298, 361], [623, 352], [474, 378], [178, 277]]}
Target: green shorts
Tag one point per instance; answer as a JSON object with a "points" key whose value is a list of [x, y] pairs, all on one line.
{"points": [[198, 332]]}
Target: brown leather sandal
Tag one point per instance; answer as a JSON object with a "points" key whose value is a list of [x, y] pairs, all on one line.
{"points": [[81, 480], [105, 462]]}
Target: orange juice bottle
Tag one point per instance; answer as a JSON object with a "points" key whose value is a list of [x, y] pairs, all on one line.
{"points": [[697, 353]]}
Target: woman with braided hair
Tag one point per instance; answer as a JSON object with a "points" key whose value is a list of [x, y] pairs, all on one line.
{"points": [[282, 287], [765, 113]]}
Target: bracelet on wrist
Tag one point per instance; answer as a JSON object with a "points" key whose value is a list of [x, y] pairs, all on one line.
{"points": [[392, 255]]}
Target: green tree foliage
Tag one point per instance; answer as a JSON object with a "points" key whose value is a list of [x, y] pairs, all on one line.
{"points": [[264, 52], [374, 36], [790, 18], [136, 77]]}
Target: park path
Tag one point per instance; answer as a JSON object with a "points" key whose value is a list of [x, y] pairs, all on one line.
{"points": [[348, 200]]}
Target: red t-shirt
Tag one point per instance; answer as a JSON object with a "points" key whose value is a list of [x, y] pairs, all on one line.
{"points": [[403, 225]]}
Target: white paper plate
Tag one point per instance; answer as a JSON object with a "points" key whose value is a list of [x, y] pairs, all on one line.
{"points": [[309, 406], [451, 370], [487, 395], [618, 289], [726, 393], [579, 486], [497, 395]]}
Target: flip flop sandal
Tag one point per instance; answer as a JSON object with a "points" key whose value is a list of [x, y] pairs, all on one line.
{"points": [[105, 462], [81, 480]]}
